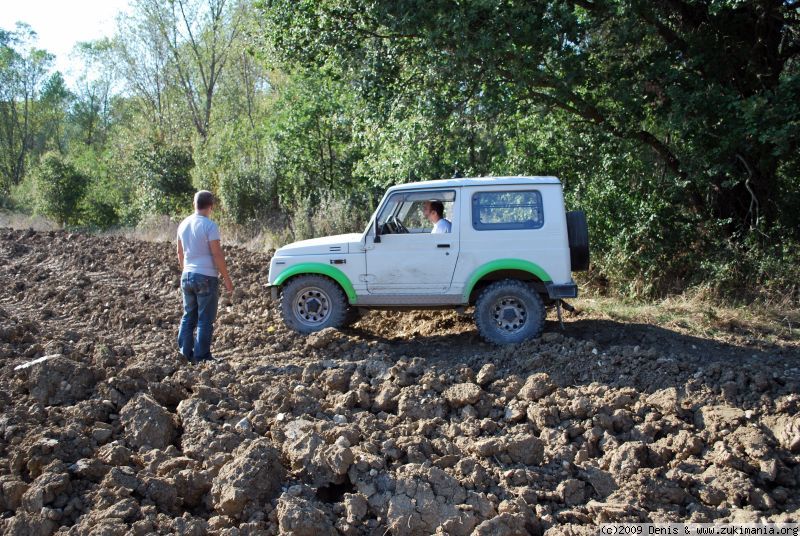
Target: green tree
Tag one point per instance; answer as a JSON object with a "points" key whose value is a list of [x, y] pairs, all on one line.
{"points": [[91, 111], [50, 121], [59, 188], [311, 126], [238, 153], [198, 36], [674, 123], [711, 87], [23, 69], [144, 62]]}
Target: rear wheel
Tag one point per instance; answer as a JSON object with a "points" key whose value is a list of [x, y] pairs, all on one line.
{"points": [[313, 302], [509, 312]]}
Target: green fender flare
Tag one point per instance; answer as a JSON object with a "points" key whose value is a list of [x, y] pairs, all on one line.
{"points": [[504, 264], [319, 268]]}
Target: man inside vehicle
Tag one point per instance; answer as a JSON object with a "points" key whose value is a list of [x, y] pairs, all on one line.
{"points": [[434, 211]]}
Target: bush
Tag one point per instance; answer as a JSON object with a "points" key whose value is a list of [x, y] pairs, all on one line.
{"points": [[23, 196], [103, 201], [246, 196], [162, 174], [59, 189], [756, 268], [99, 213], [329, 217]]}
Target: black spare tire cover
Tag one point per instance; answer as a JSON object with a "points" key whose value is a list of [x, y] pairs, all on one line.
{"points": [[578, 232]]}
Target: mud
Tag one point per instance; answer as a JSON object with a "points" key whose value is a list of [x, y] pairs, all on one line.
{"points": [[402, 424]]}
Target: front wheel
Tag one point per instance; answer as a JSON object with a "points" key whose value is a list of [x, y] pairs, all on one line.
{"points": [[311, 303], [509, 312]]}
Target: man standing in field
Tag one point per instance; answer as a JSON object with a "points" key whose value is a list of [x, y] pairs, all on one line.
{"points": [[202, 263]]}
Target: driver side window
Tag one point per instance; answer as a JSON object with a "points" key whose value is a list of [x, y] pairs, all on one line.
{"points": [[406, 212], [415, 219]]}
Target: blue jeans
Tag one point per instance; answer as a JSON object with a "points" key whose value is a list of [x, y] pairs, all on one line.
{"points": [[200, 296]]}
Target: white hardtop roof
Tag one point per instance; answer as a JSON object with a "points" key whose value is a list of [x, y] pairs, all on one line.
{"points": [[476, 181]]}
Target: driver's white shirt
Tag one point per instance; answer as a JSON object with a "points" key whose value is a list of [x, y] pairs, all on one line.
{"points": [[441, 226]]}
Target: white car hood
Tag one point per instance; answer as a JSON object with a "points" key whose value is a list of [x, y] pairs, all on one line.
{"points": [[345, 243]]}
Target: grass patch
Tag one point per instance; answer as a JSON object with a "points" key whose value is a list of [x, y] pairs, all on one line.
{"points": [[695, 314], [19, 220]]}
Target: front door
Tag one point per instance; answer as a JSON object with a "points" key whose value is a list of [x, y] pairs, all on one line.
{"points": [[410, 258]]}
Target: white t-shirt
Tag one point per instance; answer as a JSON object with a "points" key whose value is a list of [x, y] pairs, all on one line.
{"points": [[441, 226], [195, 232]]}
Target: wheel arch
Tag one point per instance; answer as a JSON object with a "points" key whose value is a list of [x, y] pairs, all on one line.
{"points": [[505, 269], [317, 268]]}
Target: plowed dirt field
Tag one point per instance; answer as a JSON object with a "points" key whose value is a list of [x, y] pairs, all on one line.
{"points": [[405, 423]]}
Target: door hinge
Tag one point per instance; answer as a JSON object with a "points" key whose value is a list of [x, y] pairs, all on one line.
{"points": [[366, 278]]}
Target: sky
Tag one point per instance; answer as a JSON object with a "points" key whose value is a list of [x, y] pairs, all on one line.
{"points": [[62, 23]]}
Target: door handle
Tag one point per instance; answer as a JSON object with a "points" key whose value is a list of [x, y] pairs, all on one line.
{"points": [[442, 245]]}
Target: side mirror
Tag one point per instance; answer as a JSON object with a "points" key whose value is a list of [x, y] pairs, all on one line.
{"points": [[377, 232]]}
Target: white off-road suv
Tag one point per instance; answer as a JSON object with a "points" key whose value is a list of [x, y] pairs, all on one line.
{"points": [[510, 252]]}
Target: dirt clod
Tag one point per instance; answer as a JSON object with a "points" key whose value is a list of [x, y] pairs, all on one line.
{"points": [[147, 423], [462, 394], [251, 478]]}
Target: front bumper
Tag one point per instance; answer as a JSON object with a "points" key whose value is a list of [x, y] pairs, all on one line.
{"points": [[567, 290]]}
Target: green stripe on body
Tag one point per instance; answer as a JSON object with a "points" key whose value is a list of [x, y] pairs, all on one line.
{"points": [[504, 264], [322, 269]]}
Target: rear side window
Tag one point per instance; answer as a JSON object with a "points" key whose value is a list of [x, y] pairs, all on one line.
{"points": [[494, 211]]}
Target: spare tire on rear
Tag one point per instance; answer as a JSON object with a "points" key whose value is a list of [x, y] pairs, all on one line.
{"points": [[578, 232]]}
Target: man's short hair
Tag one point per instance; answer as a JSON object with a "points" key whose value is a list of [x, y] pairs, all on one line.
{"points": [[203, 199], [438, 208]]}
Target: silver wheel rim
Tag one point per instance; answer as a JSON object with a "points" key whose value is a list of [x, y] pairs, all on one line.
{"points": [[312, 306], [509, 314]]}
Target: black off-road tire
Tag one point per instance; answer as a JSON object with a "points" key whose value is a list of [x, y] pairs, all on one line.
{"points": [[352, 316], [301, 295], [509, 312]]}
